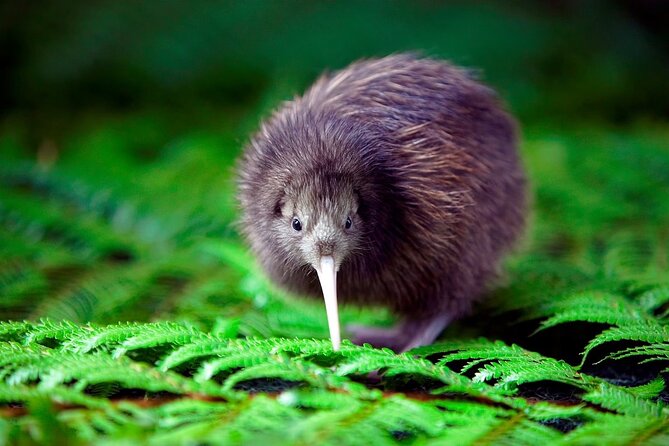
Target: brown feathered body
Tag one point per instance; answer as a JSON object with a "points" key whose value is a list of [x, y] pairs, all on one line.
{"points": [[424, 159]]}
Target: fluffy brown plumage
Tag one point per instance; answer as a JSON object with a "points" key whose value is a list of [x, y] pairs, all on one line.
{"points": [[404, 170]]}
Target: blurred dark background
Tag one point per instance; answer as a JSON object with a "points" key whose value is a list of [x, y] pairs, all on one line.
{"points": [[558, 61]]}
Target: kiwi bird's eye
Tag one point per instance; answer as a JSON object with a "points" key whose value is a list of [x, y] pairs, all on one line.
{"points": [[296, 224], [348, 223]]}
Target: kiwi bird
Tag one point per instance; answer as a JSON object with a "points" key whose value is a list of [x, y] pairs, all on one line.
{"points": [[394, 182]]}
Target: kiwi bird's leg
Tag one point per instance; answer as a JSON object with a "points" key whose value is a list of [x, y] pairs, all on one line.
{"points": [[424, 331], [405, 335], [327, 275]]}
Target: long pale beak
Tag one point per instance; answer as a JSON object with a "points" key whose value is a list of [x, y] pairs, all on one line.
{"points": [[327, 274]]}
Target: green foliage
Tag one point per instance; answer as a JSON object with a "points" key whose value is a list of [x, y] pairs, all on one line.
{"points": [[132, 313], [196, 387]]}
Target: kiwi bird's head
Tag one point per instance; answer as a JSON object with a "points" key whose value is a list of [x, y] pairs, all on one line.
{"points": [[311, 189], [317, 224]]}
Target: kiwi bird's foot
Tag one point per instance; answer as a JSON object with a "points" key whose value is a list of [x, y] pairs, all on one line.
{"points": [[405, 335]]}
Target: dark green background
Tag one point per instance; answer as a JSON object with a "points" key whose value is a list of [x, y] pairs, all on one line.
{"points": [[553, 60]]}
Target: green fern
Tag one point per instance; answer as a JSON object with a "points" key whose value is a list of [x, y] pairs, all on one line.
{"points": [[613, 430], [132, 313], [48, 361]]}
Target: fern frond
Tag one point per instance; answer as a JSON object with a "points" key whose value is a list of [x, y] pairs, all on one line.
{"points": [[14, 330], [59, 331], [597, 307], [50, 368], [101, 367], [13, 356], [653, 352], [510, 366], [155, 335], [343, 420], [101, 293], [620, 431], [217, 346], [45, 222], [131, 335], [280, 367], [648, 391], [21, 393], [470, 423], [625, 401], [641, 331], [368, 360], [254, 419], [106, 336], [400, 413], [90, 204], [654, 299], [230, 361]]}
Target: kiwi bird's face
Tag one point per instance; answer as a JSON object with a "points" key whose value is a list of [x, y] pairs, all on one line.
{"points": [[318, 225], [317, 219]]}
